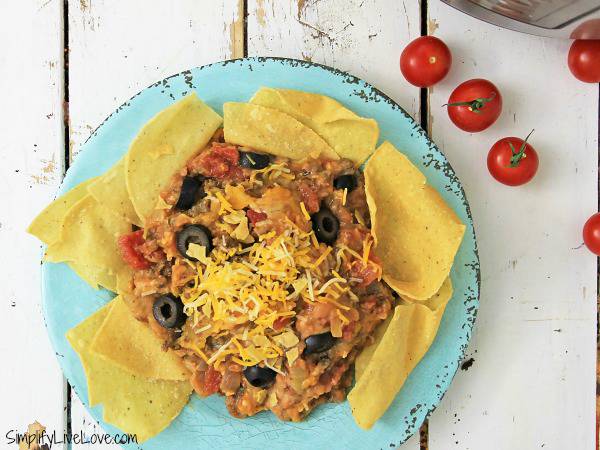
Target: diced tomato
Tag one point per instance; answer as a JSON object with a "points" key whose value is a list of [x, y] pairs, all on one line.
{"points": [[280, 323], [366, 272], [130, 254], [222, 162], [255, 216], [309, 197], [206, 382], [348, 331], [353, 237], [212, 380], [228, 153]]}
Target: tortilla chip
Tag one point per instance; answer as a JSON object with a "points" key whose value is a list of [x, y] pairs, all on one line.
{"points": [[80, 337], [88, 242], [110, 190], [436, 303], [382, 370], [134, 404], [124, 284], [47, 225], [33, 438], [271, 131], [237, 197], [94, 276], [146, 407], [416, 233], [138, 351], [163, 146], [363, 358], [351, 136]]}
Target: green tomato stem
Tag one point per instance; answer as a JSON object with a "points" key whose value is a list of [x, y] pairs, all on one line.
{"points": [[474, 105], [517, 156]]}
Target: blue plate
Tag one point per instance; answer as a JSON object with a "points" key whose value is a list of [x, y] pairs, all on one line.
{"points": [[67, 300]]}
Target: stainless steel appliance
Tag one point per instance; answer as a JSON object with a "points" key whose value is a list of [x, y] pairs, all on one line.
{"points": [[575, 19]]}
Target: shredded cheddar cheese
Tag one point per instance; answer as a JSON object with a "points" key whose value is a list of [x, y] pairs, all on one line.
{"points": [[359, 218], [242, 292], [366, 250], [241, 301], [304, 211]]}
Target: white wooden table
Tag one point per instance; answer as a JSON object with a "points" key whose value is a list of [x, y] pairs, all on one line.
{"points": [[532, 380]]}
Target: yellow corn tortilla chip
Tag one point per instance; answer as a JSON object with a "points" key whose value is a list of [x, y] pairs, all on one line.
{"points": [[88, 242], [94, 276], [80, 337], [34, 437], [47, 228], [138, 351], [437, 304], [382, 370], [363, 358], [110, 190], [132, 403], [146, 407], [163, 146], [351, 136], [47, 225], [271, 131], [417, 235]]}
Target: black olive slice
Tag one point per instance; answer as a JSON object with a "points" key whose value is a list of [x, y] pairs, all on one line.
{"points": [[318, 343], [259, 376], [325, 225], [347, 181], [168, 311], [191, 191], [193, 234], [251, 160]]}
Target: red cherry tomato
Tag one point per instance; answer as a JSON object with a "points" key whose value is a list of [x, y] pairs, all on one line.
{"points": [[425, 61], [584, 60], [591, 234], [512, 161], [474, 105]]}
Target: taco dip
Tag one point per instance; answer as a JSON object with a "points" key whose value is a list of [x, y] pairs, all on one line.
{"points": [[254, 259]]}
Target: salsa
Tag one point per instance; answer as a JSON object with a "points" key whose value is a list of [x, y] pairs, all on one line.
{"points": [[270, 270]]}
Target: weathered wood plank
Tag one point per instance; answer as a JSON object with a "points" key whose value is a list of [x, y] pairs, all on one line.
{"points": [[363, 37], [31, 167], [532, 382], [134, 44], [119, 48]]}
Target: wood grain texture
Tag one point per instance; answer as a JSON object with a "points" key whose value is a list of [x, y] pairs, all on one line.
{"points": [[363, 37], [119, 48], [31, 167], [531, 382]]}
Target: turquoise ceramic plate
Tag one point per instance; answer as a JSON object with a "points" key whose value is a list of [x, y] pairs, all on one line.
{"points": [[67, 300]]}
